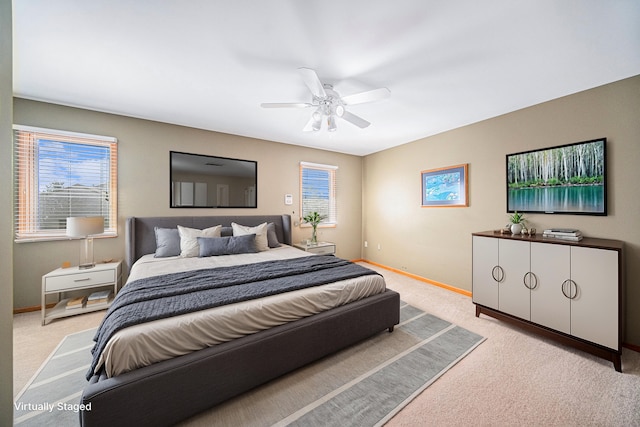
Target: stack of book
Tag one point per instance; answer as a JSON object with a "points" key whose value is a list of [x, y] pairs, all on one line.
{"points": [[563, 233], [76, 303], [99, 299]]}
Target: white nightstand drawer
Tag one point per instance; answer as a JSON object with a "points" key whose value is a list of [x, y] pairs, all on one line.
{"points": [[321, 248], [79, 280], [329, 249]]}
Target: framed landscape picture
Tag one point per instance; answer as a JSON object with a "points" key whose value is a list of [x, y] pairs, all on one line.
{"points": [[445, 187]]}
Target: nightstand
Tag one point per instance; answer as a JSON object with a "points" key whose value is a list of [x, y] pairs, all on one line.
{"points": [[74, 279], [317, 248]]}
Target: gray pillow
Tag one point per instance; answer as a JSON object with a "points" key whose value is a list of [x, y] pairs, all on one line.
{"points": [[272, 238], [167, 242], [230, 245]]}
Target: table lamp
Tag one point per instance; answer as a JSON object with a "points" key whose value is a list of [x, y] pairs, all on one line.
{"points": [[86, 227]]}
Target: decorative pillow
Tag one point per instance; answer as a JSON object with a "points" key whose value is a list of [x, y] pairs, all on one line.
{"points": [[272, 238], [229, 245], [262, 243], [189, 239], [167, 242]]}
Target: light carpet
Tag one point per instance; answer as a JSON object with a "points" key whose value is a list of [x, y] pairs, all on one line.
{"points": [[363, 385]]}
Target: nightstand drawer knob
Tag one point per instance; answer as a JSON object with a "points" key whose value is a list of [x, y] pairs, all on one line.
{"points": [[82, 280]]}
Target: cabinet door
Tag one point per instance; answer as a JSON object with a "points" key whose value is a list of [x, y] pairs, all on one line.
{"points": [[550, 268], [594, 310], [514, 296], [485, 259]]}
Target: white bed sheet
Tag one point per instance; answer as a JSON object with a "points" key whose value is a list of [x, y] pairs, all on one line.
{"points": [[163, 339]]}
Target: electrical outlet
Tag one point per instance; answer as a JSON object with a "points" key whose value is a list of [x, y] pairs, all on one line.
{"points": [[366, 244], [379, 246]]}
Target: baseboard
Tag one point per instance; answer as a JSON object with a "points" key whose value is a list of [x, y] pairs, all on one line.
{"points": [[420, 278], [30, 309], [633, 347]]}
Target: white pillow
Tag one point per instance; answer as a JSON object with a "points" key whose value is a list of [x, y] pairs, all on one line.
{"points": [[189, 239], [262, 243]]}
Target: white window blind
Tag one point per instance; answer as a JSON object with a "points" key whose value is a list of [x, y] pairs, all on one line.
{"points": [[318, 191], [59, 174]]}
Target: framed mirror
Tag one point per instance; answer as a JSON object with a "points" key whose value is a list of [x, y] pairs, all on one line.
{"points": [[202, 181]]}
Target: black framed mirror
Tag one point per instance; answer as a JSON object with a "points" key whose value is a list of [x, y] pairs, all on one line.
{"points": [[203, 181]]}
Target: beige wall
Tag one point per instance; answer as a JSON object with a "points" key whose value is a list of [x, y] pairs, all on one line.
{"points": [[6, 247], [435, 243], [143, 183]]}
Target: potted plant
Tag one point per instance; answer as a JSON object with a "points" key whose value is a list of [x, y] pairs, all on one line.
{"points": [[313, 218], [517, 222]]}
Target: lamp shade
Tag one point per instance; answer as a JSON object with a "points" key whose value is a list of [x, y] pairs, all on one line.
{"points": [[83, 226]]}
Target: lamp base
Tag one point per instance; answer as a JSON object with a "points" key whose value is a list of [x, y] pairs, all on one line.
{"points": [[86, 254]]}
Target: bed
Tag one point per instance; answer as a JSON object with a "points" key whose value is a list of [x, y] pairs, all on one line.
{"points": [[164, 392]]}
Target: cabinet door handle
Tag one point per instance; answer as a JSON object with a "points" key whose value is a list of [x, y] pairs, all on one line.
{"points": [[562, 288], [573, 289], [500, 276], [82, 280], [533, 280]]}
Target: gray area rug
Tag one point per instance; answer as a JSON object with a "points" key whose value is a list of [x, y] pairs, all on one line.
{"points": [[52, 396], [364, 385]]}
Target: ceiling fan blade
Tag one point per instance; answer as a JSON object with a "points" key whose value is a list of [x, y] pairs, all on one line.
{"points": [[353, 119], [313, 82], [285, 105], [368, 96]]}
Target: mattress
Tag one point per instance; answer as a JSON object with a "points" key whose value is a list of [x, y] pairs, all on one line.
{"points": [[152, 342]]}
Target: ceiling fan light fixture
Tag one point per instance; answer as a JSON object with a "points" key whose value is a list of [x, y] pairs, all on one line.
{"points": [[317, 120], [331, 123]]}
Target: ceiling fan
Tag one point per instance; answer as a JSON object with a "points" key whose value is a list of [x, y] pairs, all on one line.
{"points": [[328, 103]]}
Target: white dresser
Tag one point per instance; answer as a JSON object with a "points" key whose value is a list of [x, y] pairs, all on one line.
{"points": [[570, 291]]}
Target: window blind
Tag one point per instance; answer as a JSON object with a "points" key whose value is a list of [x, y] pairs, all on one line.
{"points": [[318, 186], [59, 174]]}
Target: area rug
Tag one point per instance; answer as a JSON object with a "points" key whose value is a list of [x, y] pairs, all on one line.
{"points": [[363, 385], [52, 395]]}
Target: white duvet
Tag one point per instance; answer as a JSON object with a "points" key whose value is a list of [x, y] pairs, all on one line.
{"points": [[152, 342]]}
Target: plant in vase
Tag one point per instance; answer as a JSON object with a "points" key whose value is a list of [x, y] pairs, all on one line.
{"points": [[313, 218], [517, 222]]}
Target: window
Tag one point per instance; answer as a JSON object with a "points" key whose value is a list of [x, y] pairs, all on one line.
{"points": [[59, 174], [318, 191]]}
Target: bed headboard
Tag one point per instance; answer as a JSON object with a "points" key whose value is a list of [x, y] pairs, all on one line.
{"points": [[141, 238]]}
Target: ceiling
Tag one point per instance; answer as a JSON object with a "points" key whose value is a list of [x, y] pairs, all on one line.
{"points": [[209, 64]]}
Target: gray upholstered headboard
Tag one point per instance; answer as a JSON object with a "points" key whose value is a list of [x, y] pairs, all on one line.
{"points": [[141, 238]]}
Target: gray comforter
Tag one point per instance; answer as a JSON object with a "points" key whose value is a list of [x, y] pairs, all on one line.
{"points": [[174, 294]]}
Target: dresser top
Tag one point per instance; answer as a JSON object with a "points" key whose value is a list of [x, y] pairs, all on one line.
{"points": [[589, 242]]}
